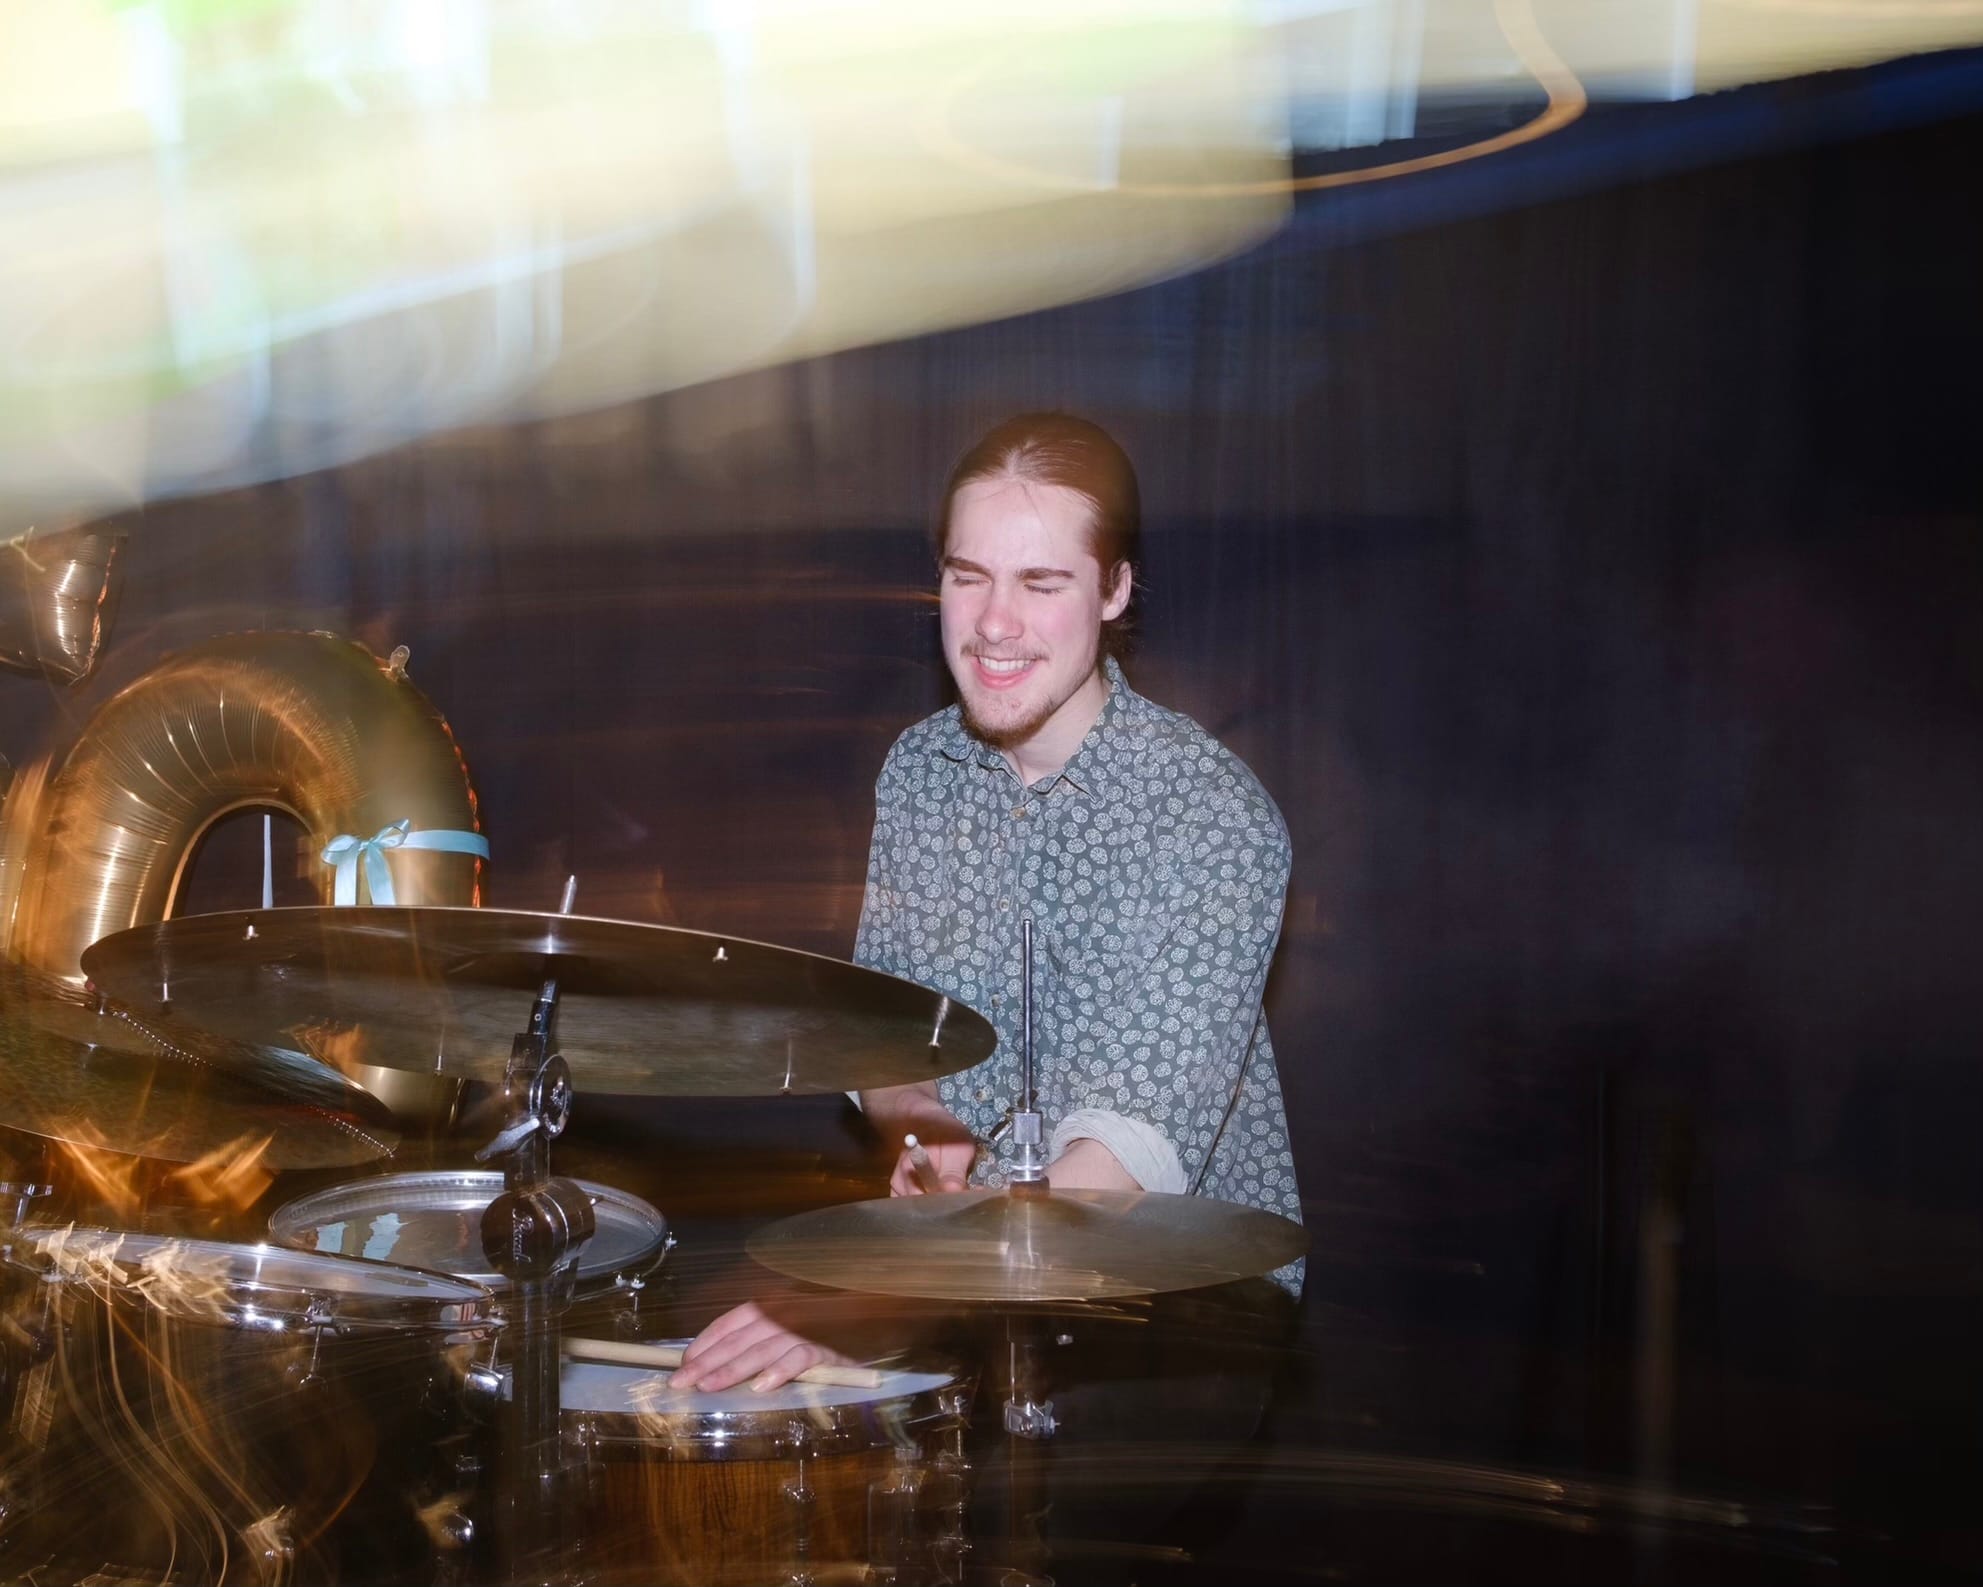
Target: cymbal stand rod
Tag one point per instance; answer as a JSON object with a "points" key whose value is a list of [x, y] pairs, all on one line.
{"points": [[23, 1185], [1028, 1169], [1029, 1424], [1027, 1097], [533, 1233]]}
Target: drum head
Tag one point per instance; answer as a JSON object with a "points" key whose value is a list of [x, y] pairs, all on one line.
{"points": [[607, 1388], [259, 1284], [434, 1221]]}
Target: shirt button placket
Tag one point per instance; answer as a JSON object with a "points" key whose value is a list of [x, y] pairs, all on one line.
{"points": [[1010, 891], [1002, 858]]}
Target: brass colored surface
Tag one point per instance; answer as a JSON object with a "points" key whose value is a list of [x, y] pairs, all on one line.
{"points": [[54, 589], [178, 1099], [309, 724], [304, 723], [1004, 1245], [641, 1009]]}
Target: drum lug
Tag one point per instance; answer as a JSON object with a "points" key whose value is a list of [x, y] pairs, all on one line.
{"points": [[271, 1547], [318, 1323], [480, 1391], [893, 1506], [799, 1493], [950, 1545], [454, 1530], [582, 1465], [451, 1532], [627, 1321]]}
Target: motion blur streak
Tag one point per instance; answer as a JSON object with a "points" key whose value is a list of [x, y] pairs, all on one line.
{"points": [[230, 1177], [1516, 19], [110, 1177], [248, 242]]}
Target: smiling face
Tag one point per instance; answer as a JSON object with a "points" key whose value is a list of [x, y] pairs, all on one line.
{"points": [[1023, 603]]}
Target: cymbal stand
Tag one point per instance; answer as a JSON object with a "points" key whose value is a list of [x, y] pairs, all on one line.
{"points": [[1029, 1418], [533, 1233], [1027, 1172], [22, 1185]]}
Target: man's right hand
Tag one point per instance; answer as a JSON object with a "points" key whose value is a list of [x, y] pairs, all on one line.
{"points": [[950, 1163], [896, 1111]]}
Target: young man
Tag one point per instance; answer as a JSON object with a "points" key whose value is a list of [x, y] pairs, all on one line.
{"points": [[1152, 863]]}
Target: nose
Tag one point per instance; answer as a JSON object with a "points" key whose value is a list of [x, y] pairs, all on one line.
{"points": [[998, 619]]}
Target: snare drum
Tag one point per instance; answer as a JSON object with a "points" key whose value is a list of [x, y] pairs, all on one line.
{"points": [[190, 1411], [738, 1489], [434, 1221]]}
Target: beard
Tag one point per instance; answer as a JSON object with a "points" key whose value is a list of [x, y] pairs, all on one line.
{"points": [[1004, 735]]}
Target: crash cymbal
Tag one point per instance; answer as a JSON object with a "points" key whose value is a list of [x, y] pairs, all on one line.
{"points": [[642, 1009], [171, 1099], [1018, 1245]]}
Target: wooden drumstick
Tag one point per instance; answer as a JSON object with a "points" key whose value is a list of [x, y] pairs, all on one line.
{"points": [[667, 1357], [919, 1162]]}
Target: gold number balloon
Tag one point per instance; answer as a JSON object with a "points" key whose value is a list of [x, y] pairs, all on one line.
{"points": [[54, 590], [308, 724]]}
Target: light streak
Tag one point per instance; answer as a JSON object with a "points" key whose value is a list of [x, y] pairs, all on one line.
{"points": [[1565, 95]]}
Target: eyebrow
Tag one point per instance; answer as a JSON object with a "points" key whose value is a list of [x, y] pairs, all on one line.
{"points": [[1030, 575]]}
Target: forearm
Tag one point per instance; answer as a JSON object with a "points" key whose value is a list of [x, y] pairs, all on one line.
{"points": [[1089, 1165], [1140, 1152]]}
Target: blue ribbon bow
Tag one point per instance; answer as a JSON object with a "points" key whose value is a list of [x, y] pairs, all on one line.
{"points": [[345, 851]]}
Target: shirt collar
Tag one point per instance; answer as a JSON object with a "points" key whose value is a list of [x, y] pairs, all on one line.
{"points": [[1086, 769]]}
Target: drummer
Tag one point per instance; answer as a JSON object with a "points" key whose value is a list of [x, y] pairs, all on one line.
{"points": [[1153, 865]]}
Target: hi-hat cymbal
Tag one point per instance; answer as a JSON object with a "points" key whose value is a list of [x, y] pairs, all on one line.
{"points": [[641, 1009], [1021, 1245], [69, 1073]]}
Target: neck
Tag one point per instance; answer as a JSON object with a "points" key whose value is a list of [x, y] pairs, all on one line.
{"points": [[1053, 745]]}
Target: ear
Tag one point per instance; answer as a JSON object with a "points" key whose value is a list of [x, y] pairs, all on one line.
{"points": [[1117, 600]]}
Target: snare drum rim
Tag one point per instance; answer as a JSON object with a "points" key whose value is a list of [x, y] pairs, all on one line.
{"points": [[774, 1432], [295, 1222], [255, 1300]]}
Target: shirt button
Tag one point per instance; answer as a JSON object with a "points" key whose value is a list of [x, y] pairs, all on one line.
{"points": [[1019, 812], [1005, 903]]}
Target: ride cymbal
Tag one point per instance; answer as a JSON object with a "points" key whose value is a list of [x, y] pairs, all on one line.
{"points": [[641, 1009], [1022, 1244]]}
